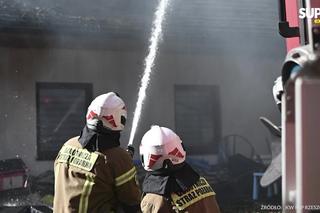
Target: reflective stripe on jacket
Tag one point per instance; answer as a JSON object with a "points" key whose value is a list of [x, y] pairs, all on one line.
{"points": [[198, 198], [93, 181]]}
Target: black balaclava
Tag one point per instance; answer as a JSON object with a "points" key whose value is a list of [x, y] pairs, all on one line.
{"points": [[178, 178], [98, 138]]}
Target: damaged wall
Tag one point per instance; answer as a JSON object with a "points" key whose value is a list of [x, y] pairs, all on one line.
{"points": [[245, 89], [233, 44]]}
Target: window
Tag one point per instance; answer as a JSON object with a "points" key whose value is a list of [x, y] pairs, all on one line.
{"points": [[61, 110], [197, 117]]}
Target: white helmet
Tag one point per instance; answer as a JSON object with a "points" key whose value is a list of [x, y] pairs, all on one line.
{"points": [[160, 144], [277, 90], [110, 109]]}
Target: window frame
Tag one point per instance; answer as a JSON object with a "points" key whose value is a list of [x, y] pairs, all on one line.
{"points": [[48, 155], [216, 117]]}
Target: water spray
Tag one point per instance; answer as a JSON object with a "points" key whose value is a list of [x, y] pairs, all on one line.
{"points": [[149, 63]]}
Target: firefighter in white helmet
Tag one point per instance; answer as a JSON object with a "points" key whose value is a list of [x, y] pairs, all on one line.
{"points": [[277, 91], [92, 173], [171, 185]]}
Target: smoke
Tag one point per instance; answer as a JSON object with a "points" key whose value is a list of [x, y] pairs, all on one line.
{"points": [[149, 62], [232, 44]]}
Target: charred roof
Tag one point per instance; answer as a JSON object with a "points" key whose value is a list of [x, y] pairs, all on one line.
{"points": [[202, 25]]}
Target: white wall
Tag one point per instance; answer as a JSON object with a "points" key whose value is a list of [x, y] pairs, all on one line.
{"points": [[245, 82]]}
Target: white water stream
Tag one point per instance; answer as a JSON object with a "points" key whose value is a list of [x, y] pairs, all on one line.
{"points": [[149, 62]]}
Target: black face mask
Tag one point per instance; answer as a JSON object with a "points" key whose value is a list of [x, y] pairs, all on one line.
{"points": [[99, 138], [166, 181]]}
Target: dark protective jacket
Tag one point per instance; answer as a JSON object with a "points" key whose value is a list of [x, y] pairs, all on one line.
{"points": [[94, 181], [181, 190]]}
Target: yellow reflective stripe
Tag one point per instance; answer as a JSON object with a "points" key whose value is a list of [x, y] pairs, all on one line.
{"points": [[122, 179], [87, 188]]}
